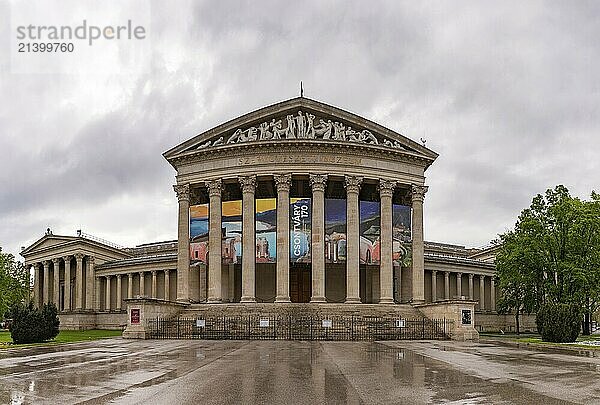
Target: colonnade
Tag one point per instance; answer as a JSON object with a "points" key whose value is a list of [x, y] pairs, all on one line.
{"points": [[115, 281], [318, 185], [459, 290], [78, 292]]}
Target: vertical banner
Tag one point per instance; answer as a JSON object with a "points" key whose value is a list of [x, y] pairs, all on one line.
{"points": [[402, 236], [335, 230], [231, 232], [198, 233], [266, 230], [370, 218], [300, 229]]}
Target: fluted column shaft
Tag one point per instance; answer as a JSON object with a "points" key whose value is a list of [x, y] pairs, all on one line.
{"points": [[107, 298], [446, 285], [143, 284], [492, 294], [459, 284], [481, 292], [130, 285], [67, 260], [183, 242], [433, 286], [37, 285], [56, 289], [119, 298], [386, 269], [46, 286], [214, 242], [471, 286], [352, 184], [283, 183], [97, 294], [79, 282], [418, 263], [318, 182], [248, 185], [154, 283], [89, 283], [167, 285]]}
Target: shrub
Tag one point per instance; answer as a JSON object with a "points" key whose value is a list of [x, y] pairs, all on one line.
{"points": [[559, 323], [31, 325]]}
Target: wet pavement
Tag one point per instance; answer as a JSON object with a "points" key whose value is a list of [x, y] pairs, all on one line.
{"points": [[277, 372]]}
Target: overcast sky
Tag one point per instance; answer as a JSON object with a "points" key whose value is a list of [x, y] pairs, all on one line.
{"points": [[507, 93]]}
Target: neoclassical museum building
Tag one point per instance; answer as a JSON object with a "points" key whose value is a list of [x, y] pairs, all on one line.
{"points": [[297, 202]]}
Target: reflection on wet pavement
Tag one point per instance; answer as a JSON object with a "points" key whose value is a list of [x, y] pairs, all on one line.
{"points": [[272, 372]]}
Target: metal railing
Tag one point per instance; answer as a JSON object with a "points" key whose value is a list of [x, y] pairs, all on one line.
{"points": [[290, 327]]}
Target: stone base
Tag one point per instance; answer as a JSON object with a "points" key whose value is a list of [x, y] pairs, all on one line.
{"points": [[85, 320], [140, 310], [453, 310]]}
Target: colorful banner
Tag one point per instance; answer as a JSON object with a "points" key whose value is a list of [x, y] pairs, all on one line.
{"points": [[370, 218], [402, 236], [231, 232], [300, 229], [335, 230], [198, 233], [266, 230]]}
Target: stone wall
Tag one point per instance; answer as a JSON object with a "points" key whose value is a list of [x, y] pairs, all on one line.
{"points": [[492, 322], [453, 310]]}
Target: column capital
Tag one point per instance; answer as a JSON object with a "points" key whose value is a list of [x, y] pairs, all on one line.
{"points": [[386, 188], [153, 272], [352, 184], [90, 259], [167, 271], [78, 256], [141, 273], [247, 183], [318, 182], [418, 192], [118, 276], [283, 182], [46, 263], [182, 191], [130, 275], [482, 277], [108, 276], [37, 266], [470, 276], [67, 258], [459, 274], [433, 271], [214, 188], [56, 261]]}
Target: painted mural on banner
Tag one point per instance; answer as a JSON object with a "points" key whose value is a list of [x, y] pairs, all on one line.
{"points": [[198, 233], [370, 219], [335, 230], [300, 229], [231, 228], [266, 230], [402, 235]]}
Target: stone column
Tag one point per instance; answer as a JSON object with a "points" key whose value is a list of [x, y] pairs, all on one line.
{"points": [[46, 286], [67, 260], [167, 285], [386, 269], [37, 285], [130, 285], [418, 261], [318, 182], [352, 184], [283, 183], [143, 285], [107, 299], [459, 284], [97, 294], [89, 283], [214, 242], [433, 286], [79, 282], [153, 283], [183, 242], [56, 289], [119, 298], [446, 285], [248, 185], [471, 286], [481, 292], [492, 294]]}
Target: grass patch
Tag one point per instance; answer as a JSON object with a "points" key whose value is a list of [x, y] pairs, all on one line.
{"points": [[64, 336], [574, 344]]}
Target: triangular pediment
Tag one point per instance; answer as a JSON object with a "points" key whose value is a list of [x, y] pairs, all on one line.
{"points": [[300, 119], [47, 241]]}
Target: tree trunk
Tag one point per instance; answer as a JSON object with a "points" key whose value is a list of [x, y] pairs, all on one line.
{"points": [[587, 318], [517, 322]]}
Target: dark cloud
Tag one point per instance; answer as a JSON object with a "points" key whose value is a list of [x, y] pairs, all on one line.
{"points": [[508, 94]]}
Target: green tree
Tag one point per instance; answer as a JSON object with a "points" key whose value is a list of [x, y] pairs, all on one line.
{"points": [[15, 282], [552, 255]]}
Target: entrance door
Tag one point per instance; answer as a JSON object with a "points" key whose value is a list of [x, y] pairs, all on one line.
{"points": [[300, 282]]}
